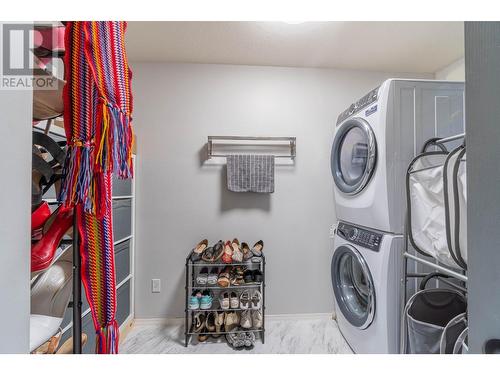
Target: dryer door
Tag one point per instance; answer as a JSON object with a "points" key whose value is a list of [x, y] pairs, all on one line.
{"points": [[353, 156], [353, 286]]}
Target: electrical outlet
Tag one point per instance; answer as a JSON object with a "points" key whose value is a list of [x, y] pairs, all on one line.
{"points": [[155, 285]]}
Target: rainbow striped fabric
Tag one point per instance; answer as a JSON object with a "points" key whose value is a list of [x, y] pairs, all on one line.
{"points": [[97, 121]]}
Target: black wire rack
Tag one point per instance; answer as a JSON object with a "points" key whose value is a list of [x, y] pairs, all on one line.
{"points": [[192, 270]]}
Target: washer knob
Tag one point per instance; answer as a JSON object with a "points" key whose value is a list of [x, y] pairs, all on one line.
{"points": [[353, 233]]}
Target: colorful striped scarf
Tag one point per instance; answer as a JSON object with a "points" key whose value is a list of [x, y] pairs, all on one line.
{"points": [[97, 121]]}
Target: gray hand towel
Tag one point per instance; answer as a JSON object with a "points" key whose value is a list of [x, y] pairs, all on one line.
{"points": [[250, 173]]}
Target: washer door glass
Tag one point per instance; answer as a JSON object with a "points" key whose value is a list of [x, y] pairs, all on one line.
{"points": [[353, 155], [353, 286]]}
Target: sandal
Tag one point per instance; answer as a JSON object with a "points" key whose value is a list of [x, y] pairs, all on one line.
{"points": [[227, 256], [208, 255], [223, 280], [256, 319], [218, 250], [224, 301], [237, 253], [256, 300], [257, 248], [234, 301], [198, 250], [198, 322], [245, 300], [247, 253]]}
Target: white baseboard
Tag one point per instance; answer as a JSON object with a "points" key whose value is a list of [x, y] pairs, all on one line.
{"points": [[174, 321]]}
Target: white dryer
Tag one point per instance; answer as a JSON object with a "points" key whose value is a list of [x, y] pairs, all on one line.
{"points": [[366, 283], [377, 137]]}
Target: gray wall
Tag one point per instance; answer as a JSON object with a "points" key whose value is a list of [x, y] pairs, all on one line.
{"points": [[15, 198], [181, 200], [482, 60]]}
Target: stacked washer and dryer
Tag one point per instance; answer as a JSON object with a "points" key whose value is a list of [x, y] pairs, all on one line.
{"points": [[375, 140]]}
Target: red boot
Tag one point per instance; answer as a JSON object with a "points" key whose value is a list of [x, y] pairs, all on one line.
{"points": [[38, 219], [42, 252]]}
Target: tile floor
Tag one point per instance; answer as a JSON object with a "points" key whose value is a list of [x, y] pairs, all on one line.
{"points": [[315, 335]]}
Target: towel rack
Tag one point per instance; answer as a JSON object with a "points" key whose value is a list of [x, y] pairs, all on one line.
{"points": [[255, 141]]}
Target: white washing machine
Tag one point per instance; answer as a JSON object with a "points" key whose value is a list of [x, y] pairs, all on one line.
{"points": [[376, 138], [366, 283]]}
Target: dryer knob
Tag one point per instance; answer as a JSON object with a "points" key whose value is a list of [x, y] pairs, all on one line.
{"points": [[353, 233]]}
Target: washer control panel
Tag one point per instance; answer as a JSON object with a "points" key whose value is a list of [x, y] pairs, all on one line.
{"points": [[365, 101], [360, 236]]}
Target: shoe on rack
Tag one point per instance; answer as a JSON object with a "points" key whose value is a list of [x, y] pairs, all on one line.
{"points": [[219, 322], [224, 301], [257, 276], [248, 277], [202, 337], [245, 300], [206, 300], [257, 248], [256, 319], [194, 301], [213, 276], [224, 277], [208, 255], [234, 339], [202, 277], [246, 319], [199, 321], [247, 253], [43, 251], [38, 219], [210, 324], [218, 251], [256, 300], [50, 295], [237, 253], [227, 256], [198, 250], [234, 301], [256, 259], [232, 320]]}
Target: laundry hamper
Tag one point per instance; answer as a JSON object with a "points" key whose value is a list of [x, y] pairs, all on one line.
{"points": [[437, 206], [427, 314]]}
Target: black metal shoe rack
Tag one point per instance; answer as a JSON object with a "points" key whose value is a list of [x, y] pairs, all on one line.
{"points": [[192, 270]]}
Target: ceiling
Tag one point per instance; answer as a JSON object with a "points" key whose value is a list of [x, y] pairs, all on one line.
{"points": [[417, 47]]}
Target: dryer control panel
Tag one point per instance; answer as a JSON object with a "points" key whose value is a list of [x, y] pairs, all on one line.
{"points": [[360, 236]]}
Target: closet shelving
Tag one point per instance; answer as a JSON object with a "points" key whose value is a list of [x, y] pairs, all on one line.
{"points": [[123, 198], [192, 270]]}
